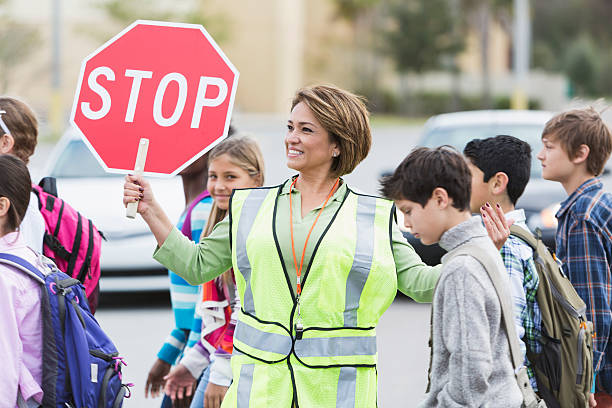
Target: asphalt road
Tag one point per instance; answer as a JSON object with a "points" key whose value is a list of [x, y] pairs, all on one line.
{"points": [[138, 323]]}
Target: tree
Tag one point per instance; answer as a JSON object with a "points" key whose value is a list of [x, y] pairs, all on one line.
{"points": [[581, 66], [419, 33], [574, 37], [480, 13], [363, 17], [17, 42]]}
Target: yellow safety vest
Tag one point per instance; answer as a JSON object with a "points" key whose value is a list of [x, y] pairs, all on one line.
{"points": [[350, 281]]}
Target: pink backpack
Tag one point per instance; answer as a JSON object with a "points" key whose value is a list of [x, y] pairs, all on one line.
{"points": [[71, 240]]}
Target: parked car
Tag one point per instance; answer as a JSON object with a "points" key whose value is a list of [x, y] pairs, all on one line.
{"points": [[541, 197], [126, 259]]}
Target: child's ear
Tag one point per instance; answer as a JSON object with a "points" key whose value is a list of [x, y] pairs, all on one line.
{"points": [[440, 197], [581, 154], [5, 204], [6, 143], [499, 182]]}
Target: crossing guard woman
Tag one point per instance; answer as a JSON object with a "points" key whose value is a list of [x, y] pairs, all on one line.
{"points": [[316, 264]]}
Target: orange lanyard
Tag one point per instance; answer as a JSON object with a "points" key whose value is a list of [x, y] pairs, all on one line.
{"points": [[299, 270]]}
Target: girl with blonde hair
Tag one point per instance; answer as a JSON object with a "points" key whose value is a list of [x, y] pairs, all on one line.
{"points": [[235, 163]]}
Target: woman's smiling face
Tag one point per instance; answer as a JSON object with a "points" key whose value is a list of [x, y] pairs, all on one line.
{"points": [[308, 145]]}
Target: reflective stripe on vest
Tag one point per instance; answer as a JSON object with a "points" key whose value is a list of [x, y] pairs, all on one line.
{"points": [[366, 209], [271, 343], [268, 342], [250, 208], [347, 386], [338, 347], [245, 384]]}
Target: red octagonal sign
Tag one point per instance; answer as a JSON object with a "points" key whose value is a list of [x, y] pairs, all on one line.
{"points": [[166, 82]]}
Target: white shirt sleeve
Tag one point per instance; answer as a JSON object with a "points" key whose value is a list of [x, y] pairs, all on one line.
{"points": [[221, 370], [32, 227]]}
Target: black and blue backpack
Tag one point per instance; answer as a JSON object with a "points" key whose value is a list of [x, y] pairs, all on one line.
{"points": [[81, 365]]}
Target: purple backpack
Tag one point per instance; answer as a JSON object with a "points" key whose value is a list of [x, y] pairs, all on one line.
{"points": [[71, 240], [81, 365]]}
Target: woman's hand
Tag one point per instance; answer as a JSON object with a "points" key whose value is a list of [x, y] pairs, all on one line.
{"points": [[137, 189], [155, 379], [213, 397], [179, 383], [496, 224]]}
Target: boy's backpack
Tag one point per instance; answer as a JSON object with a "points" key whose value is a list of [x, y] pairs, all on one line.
{"points": [[71, 240], [81, 366], [530, 399], [564, 367]]}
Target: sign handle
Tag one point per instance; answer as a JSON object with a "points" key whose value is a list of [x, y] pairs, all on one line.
{"points": [[141, 158]]}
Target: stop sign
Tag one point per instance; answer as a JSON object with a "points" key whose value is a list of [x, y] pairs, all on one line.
{"points": [[167, 82]]}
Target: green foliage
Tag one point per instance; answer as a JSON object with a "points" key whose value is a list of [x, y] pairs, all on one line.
{"points": [[574, 37], [351, 9], [419, 34], [581, 65], [421, 104]]}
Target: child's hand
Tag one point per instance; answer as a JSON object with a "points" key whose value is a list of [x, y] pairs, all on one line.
{"points": [[498, 227], [137, 189]]}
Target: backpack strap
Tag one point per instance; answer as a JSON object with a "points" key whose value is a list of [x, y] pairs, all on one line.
{"points": [[49, 185], [23, 265], [524, 235], [530, 399]]}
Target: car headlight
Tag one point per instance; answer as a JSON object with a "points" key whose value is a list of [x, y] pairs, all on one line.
{"points": [[545, 218]]}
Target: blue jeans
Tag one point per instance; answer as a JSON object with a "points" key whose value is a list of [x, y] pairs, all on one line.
{"points": [[198, 397], [166, 402]]}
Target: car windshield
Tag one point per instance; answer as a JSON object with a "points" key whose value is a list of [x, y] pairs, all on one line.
{"points": [[459, 136], [77, 161]]}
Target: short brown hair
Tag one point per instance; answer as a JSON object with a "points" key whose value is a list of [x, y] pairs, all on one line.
{"points": [[426, 169], [346, 118], [21, 122], [582, 127]]}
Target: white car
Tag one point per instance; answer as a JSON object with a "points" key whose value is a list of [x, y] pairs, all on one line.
{"points": [[127, 263], [541, 198]]}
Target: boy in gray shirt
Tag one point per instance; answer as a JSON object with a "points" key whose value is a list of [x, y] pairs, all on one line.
{"points": [[470, 364]]}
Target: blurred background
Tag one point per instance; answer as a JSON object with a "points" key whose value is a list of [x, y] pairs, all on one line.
{"points": [[421, 64], [408, 57]]}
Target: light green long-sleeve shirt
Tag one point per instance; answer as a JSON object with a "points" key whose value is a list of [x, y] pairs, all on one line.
{"points": [[199, 263]]}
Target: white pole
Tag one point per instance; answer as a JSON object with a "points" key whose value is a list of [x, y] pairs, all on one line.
{"points": [[141, 158], [522, 40]]}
